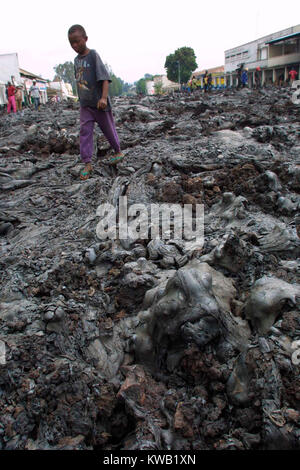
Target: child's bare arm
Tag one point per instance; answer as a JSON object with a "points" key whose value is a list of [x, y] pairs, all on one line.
{"points": [[102, 103], [105, 87]]}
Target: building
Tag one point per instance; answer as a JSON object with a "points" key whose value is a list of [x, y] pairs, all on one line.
{"points": [[9, 68], [161, 84], [276, 54], [59, 90], [217, 73], [3, 99], [9, 72], [28, 78], [150, 87]]}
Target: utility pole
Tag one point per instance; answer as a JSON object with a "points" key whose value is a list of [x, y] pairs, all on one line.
{"points": [[179, 74]]}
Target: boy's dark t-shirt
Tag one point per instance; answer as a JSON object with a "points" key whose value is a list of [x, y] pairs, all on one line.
{"points": [[90, 72]]}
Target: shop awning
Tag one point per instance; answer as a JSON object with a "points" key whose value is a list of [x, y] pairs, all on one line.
{"points": [[284, 38]]}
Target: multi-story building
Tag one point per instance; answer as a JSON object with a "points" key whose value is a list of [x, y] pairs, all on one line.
{"points": [[276, 54]]}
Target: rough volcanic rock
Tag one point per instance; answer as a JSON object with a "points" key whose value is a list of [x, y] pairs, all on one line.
{"points": [[140, 343]]}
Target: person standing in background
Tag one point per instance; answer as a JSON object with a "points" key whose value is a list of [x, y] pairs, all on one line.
{"points": [[205, 81], [209, 81], [35, 93], [257, 77], [292, 74], [11, 91], [19, 98], [244, 78], [239, 76]]}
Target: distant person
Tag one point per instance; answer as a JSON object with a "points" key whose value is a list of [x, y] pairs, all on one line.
{"points": [[292, 74], [35, 94], [194, 83], [257, 77], [280, 80], [205, 81], [93, 85], [244, 78], [11, 103], [209, 81], [239, 75], [19, 98]]}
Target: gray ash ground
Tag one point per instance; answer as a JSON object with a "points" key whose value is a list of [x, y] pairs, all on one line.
{"points": [[142, 345]]}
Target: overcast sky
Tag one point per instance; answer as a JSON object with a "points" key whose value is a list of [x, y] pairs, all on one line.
{"points": [[135, 36]]}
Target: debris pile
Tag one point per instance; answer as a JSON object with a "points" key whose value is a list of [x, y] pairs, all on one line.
{"points": [[152, 344]]}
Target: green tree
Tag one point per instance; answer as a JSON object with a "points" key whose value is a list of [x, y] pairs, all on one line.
{"points": [[184, 58], [141, 86], [158, 88], [66, 73], [116, 86]]}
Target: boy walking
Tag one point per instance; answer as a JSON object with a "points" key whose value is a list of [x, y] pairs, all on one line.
{"points": [[92, 84]]}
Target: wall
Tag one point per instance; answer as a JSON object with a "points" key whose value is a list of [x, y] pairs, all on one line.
{"points": [[9, 65], [64, 90], [167, 85], [3, 99], [150, 87], [284, 60]]}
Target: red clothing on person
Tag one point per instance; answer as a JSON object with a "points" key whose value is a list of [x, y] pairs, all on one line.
{"points": [[11, 91], [293, 74]]}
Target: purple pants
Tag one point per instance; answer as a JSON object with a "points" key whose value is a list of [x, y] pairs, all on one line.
{"points": [[105, 120], [11, 104]]}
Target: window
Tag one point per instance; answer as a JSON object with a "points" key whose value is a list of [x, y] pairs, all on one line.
{"points": [[276, 50], [262, 53], [291, 47]]}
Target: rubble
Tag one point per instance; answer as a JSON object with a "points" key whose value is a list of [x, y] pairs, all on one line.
{"points": [[152, 344]]}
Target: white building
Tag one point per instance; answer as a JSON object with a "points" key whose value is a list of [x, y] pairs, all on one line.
{"points": [[276, 54], [150, 87], [9, 72], [162, 82], [60, 89], [9, 67]]}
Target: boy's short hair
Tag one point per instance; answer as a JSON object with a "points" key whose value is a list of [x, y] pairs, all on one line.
{"points": [[77, 27]]}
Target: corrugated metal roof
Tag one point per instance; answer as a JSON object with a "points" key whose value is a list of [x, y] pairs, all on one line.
{"points": [[31, 75], [219, 69], [284, 38]]}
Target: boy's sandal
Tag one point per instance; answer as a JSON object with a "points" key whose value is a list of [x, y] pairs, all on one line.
{"points": [[84, 175], [115, 160]]}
